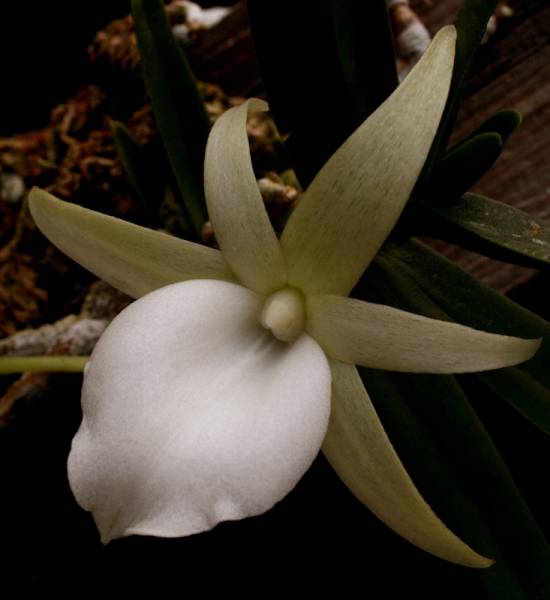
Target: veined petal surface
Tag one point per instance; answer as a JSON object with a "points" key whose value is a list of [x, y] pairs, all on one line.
{"points": [[355, 200], [235, 204], [362, 455], [194, 414], [134, 259], [382, 337]]}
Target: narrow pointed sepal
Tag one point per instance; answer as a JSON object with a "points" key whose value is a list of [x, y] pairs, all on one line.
{"points": [[235, 204], [134, 259], [383, 337], [360, 452], [355, 200], [194, 414]]}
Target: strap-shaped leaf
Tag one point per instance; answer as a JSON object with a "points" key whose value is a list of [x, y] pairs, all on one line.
{"points": [[355, 200], [464, 164], [443, 407], [504, 122], [177, 105], [471, 25], [458, 475], [488, 227], [530, 397], [526, 387], [431, 467], [148, 172], [134, 259], [365, 45], [361, 453], [461, 168], [131, 156]]}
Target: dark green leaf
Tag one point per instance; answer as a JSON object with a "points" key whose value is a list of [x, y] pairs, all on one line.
{"points": [[431, 467], [131, 156], [471, 302], [150, 175], [172, 214], [504, 122], [471, 24], [365, 44], [128, 152], [395, 399], [485, 226], [526, 386], [461, 168], [177, 105], [523, 392], [440, 404]]}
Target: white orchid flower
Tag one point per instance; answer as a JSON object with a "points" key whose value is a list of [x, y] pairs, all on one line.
{"points": [[209, 397]]}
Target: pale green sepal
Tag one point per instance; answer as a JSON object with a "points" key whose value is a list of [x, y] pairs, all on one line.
{"points": [[42, 364], [362, 455], [134, 259], [383, 337], [235, 204], [355, 200]]}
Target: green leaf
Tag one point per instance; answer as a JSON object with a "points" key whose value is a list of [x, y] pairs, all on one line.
{"points": [[131, 157], [525, 387], [172, 214], [430, 467], [461, 168], [177, 105], [149, 173], [365, 44], [504, 122], [129, 153], [301, 71], [471, 24], [441, 405], [488, 227], [523, 392]]}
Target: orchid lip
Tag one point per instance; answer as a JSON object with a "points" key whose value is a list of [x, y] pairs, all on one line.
{"points": [[284, 314]]}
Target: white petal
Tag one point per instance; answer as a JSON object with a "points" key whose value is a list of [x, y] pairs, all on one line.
{"points": [[361, 453], [133, 259], [382, 337], [235, 204], [194, 414], [355, 200]]}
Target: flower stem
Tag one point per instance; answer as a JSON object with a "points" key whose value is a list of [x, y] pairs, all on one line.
{"points": [[42, 364]]}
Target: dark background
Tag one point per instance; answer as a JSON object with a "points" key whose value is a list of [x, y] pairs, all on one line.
{"points": [[318, 540], [43, 54]]}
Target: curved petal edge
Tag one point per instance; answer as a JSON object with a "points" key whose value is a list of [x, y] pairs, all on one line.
{"points": [[355, 200], [383, 337], [134, 259], [235, 205]]}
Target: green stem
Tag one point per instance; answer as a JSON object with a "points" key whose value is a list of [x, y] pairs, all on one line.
{"points": [[42, 364]]}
